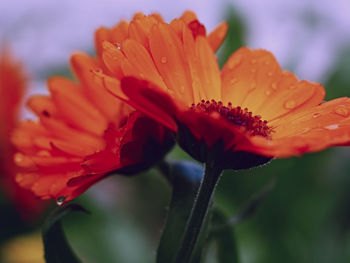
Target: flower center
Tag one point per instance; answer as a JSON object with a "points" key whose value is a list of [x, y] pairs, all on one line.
{"points": [[252, 124]]}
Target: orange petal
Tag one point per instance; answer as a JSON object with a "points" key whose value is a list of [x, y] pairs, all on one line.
{"points": [[60, 130], [177, 25], [23, 136], [188, 16], [119, 33], [140, 63], [42, 105], [168, 55], [113, 59], [205, 73], [73, 106], [102, 34], [253, 79], [194, 65], [209, 69], [236, 78], [217, 36], [139, 29], [310, 130], [111, 107]]}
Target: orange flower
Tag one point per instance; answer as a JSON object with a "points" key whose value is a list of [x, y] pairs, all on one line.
{"points": [[82, 134], [242, 116], [12, 86]]}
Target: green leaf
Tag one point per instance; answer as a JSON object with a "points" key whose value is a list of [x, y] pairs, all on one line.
{"points": [[185, 179], [56, 247], [225, 239]]}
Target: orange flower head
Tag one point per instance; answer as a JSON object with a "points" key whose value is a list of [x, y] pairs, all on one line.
{"points": [[238, 117], [13, 83], [83, 133]]}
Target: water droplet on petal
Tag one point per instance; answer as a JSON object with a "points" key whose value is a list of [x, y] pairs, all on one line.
{"points": [[253, 61], [267, 93], [252, 86], [60, 200], [315, 115], [234, 63], [182, 88], [233, 81], [342, 111], [289, 104], [332, 127], [163, 60], [305, 130], [142, 75], [267, 62], [270, 74], [171, 93], [18, 158], [97, 71], [292, 87], [274, 86]]}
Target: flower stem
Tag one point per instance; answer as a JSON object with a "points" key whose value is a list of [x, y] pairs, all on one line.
{"points": [[198, 213]]}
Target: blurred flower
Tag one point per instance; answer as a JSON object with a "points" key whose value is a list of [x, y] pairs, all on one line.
{"points": [[82, 134], [244, 115], [24, 249], [13, 83]]}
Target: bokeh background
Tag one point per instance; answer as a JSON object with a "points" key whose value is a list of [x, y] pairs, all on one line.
{"points": [[306, 216]]}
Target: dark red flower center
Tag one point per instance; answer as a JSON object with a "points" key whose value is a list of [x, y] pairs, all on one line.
{"points": [[252, 124]]}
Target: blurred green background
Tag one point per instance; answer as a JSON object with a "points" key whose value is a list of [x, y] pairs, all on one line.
{"points": [[305, 218]]}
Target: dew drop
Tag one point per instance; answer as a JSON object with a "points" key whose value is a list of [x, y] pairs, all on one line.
{"points": [[274, 86], [316, 115], [163, 60], [253, 61], [252, 86], [97, 71], [270, 74], [342, 111], [60, 200], [18, 158], [234, 62], [305, 130], [289, 104], [171, 93], [267, 93], [233, 81], [292, 87], [267, 62], [182, 89], [142, 75], [332, 127]]}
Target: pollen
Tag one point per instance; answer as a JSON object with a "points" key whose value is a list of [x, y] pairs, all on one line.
{"points": [[243, 118]]}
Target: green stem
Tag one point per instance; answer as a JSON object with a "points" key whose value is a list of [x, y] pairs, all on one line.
{"points": [[164, 168], [198, 213]]}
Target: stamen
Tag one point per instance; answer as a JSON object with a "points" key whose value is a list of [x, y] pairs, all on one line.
{"points": [[252, 124]]}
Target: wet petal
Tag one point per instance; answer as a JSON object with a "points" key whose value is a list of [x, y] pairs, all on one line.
{"points": [[217, 36], [169, 57]]}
